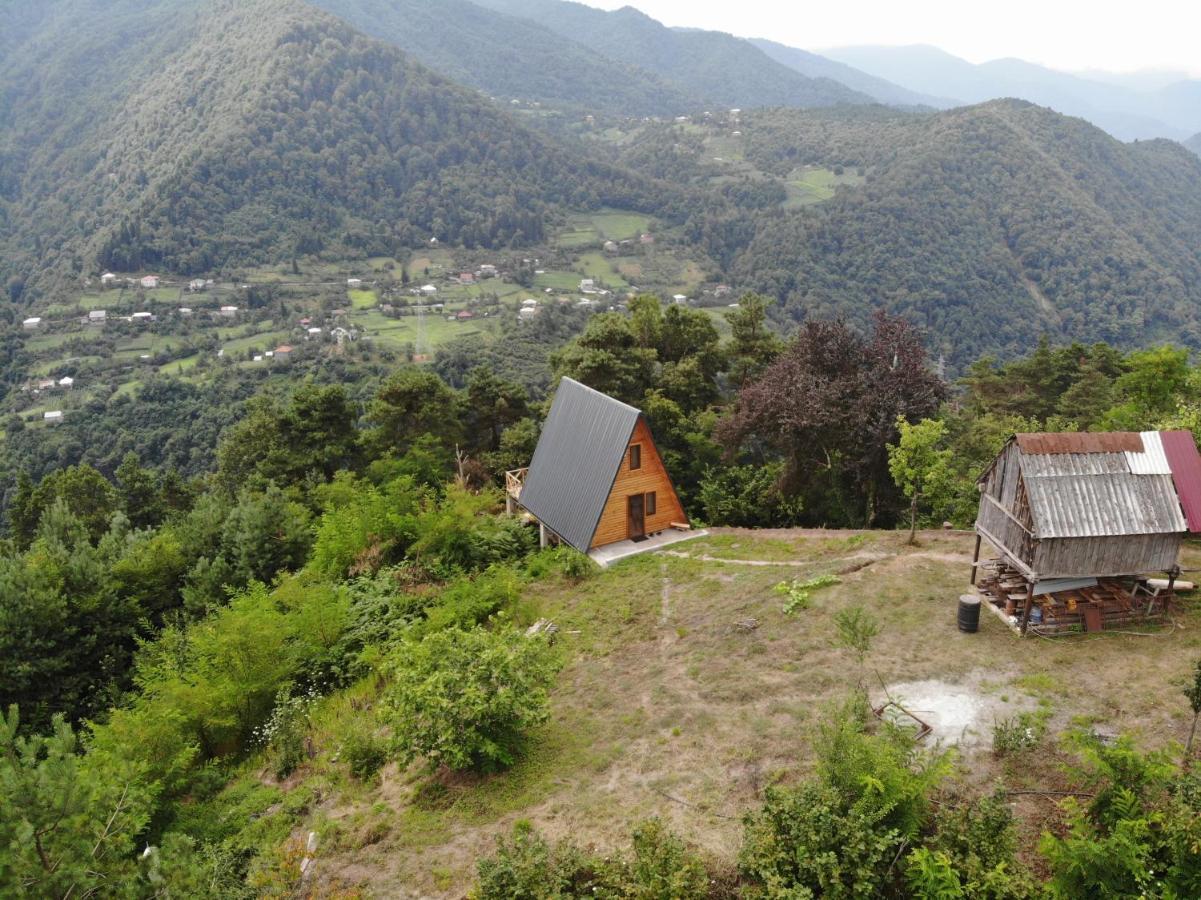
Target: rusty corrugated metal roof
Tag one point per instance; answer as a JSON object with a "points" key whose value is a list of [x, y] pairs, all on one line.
{"points": [[1080, 442], [579, 452], [1181, 451], [1110, 504]]}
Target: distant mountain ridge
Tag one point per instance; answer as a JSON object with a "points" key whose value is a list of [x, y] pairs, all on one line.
{"points": [[816, 66], [1173, 111], [1194, 143], [719, 67]]}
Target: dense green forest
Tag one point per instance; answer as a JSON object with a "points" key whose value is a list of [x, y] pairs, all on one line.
{"points": [[300, 136], [988, 226], [515, 58], [717, 67]]}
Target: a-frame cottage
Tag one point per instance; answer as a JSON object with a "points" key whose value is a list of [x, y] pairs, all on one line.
{"points": [[597, 480]]}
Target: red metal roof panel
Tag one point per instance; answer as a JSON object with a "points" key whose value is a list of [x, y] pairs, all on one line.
{"points": [[1185, 463], [1081, 442]]}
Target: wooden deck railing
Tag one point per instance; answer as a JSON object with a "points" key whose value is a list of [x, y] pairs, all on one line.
{"points": [[514, 480]]}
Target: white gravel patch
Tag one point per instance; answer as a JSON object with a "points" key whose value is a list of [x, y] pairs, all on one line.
{"points": [[958, 713]]}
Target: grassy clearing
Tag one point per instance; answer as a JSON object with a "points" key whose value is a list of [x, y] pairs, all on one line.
{"points": [[668, 707], [601, 268], [814, 185], [362, 299], [575, 237], [614, 225], [263, 340], [559, 281], [146, 343], [401, 333]]}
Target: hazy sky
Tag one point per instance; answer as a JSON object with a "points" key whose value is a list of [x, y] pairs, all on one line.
{"points": [[1063, 34]]}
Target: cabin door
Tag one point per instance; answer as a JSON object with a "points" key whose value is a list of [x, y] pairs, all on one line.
{"points": [[637, 509]]}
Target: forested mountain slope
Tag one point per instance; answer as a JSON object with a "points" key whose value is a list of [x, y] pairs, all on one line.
{"points": [[720, 67], [513, 58], [204, 132], [989, 225]]}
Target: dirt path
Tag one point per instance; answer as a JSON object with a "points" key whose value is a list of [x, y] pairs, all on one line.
{"points": [[866, 556]]}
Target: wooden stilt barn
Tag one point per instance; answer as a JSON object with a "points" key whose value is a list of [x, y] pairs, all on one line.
{"points": [[1081, 522]]}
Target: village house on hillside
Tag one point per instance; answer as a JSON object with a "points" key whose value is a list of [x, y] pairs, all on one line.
{"points": [[1080, 521], [149, 282], [33, 323], [597, 482]]}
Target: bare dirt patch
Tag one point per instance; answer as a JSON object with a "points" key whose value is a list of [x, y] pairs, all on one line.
{"points": [[962, 714]]}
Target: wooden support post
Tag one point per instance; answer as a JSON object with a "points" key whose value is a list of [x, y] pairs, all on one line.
{"points": [[1029, 605], [542, 541], [976, 558]]}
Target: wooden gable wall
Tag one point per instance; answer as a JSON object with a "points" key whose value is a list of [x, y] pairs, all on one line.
{"points": [[652, 476]]}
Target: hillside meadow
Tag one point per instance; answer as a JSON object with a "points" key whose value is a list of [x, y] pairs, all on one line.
{"points": [[687, 691]]}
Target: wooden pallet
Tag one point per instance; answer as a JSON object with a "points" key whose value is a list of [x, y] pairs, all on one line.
{"points": [[1111, 603]]}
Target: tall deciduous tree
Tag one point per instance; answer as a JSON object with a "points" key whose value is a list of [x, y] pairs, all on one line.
{"points": [[410, 404], [493, 404], [753, 345], [920, 466], [829, 405], [609, 358]]}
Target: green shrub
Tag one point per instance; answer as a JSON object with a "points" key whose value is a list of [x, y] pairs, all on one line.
{"points": [[930, 876], [467, 601], [285, 731], [747, 496], [841, 833], [460, 533], [807, 842], [363, 527], [1137, 836], [364, 753], [573, 564], [977, 837], [1019, 733], [465, 699], [527, 867], [664, 866]]}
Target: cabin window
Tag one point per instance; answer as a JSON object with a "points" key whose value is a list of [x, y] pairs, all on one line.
{"points": [[650, 503], [635, 456]]}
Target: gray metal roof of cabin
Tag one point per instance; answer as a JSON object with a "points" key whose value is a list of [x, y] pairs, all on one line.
{"points": [[582, 446], [1089, 496]]}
